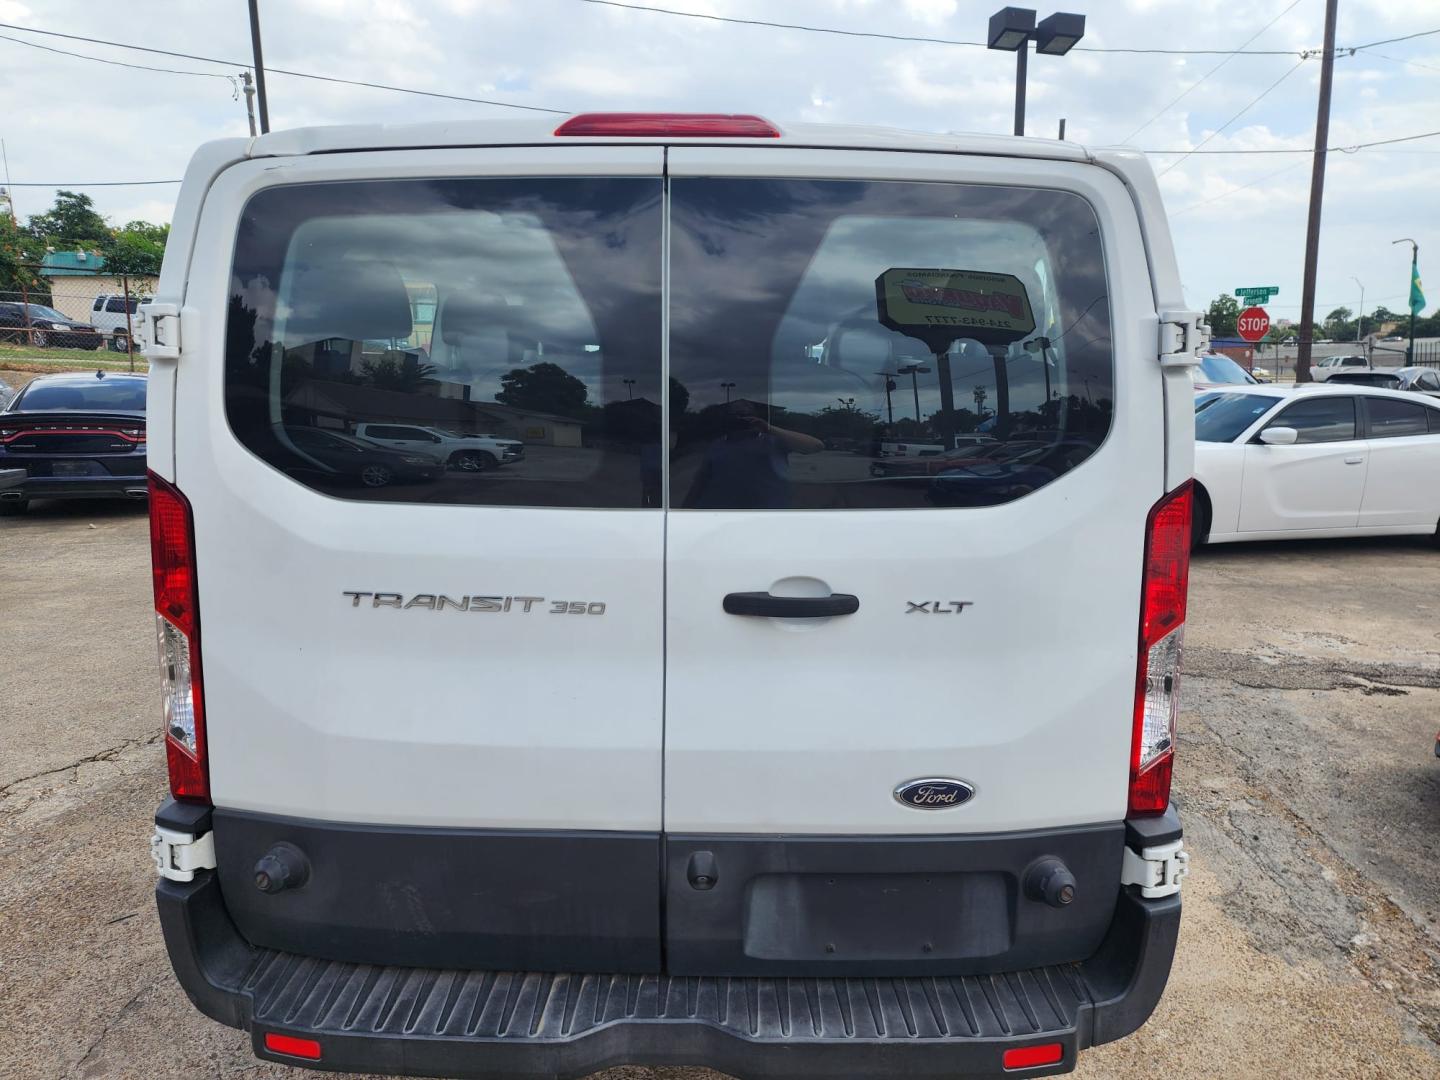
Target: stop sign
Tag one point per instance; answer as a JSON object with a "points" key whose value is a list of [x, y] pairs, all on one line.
{"points": [[1253, 324]]}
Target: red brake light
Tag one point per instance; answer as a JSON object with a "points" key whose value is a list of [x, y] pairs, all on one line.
{"points": [[177, 626], [1162, 628], [309, 1049], [1028, 1057], [680, 125]]}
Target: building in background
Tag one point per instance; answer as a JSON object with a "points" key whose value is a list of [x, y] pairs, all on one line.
{"points": [[76, 278]]}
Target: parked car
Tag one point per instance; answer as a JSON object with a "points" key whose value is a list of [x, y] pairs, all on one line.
{"points": [[333, 455], [1326, 366], [76, 436], [469, 453], [45, 328], [117, 317], [695, 743], [1217, 369], [1421, 380], [1385, 380], [1322, 461]]}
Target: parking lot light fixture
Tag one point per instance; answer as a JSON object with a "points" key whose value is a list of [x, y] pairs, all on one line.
{"points": [[1012, 29]]}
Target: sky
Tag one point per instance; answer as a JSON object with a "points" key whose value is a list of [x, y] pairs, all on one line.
{"points": [[1238, 219]]}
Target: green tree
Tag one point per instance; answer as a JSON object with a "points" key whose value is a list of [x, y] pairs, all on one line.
{"points": [[133, 251], [390, 373], [1338, 324], [543, 387], [19, 255], [1222, 315], [72, 222]]}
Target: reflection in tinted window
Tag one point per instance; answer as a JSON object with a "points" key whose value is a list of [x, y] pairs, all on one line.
{"points": [[1321, 419], [517, 310], [1391, 419], [846, 344]]}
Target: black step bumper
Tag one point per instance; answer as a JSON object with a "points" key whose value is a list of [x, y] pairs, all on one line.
{"points": [[465, 1023]]}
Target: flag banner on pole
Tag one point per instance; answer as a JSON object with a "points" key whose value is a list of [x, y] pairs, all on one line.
{"points": [[1417, 295]]}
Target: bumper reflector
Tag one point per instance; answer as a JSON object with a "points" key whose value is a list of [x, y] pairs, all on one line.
{"points": [[309, 1049], [1028, 1057]]}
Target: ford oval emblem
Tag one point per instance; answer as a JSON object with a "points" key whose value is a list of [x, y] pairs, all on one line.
{"points": [[934, 793]]}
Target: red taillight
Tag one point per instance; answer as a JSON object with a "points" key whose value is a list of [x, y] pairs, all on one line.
{"points": [[1162, 629], [680, 125], [1028, 1057], [177, 627], [309, 1049]]}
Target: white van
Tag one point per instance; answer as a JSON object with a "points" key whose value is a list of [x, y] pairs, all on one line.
{"points": [[652, 750], [118, 318]]}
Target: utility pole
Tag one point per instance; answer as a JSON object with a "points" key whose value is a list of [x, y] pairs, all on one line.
{"points": [[259, 66], [1317, 196], [249, 99], [1061, 136]]}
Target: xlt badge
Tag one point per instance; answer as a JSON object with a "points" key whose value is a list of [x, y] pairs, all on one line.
{"points": [[934, 793], [440, 602]]}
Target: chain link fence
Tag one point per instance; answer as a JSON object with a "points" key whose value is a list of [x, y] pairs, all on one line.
{"points": [[65, 317]]}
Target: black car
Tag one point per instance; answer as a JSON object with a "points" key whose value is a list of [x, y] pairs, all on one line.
{"points": [[46, 328], [76, 436], [336, 456]]}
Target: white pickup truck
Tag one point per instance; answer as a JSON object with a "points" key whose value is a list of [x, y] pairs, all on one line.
{"points": [[469, 453]]}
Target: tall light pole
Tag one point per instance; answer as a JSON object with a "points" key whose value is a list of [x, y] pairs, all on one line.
{"points": [[1012, 29], [912, 370], [1414, 271], [629, 388], [727, 387], [259, 66], [1359, 319]]}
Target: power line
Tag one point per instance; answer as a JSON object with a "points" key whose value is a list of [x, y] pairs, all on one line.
{"points": [[1232, 191], [1186, 92], [283, 71], [1389, 41], [98, 183], [114, 63], [1400, 60], [810, 29], [1255, 101]]}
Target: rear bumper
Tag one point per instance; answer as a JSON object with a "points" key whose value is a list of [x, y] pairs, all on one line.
{"points": [[79, 487], [446, 1021]]}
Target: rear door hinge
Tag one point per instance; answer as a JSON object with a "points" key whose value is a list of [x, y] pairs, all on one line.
{"points": [[1183, 337], [178, 855], [1157, 870], [159, 331]]}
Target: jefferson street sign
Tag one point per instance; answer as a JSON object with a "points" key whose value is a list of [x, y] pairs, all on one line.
{"points": [[1257, 294]]}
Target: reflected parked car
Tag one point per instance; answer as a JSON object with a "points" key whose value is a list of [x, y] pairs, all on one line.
{"points": [[332, 454], [45, 328], [935, 464], [985, 483]]}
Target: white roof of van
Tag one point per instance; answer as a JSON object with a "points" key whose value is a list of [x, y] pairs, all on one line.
{"points": [[533, 131]]}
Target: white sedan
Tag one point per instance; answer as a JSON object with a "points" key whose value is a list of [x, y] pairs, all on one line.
{"points": [[1318, 461]]}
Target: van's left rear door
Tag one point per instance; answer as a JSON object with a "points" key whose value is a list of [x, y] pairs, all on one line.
{"points": [[445, 689]]}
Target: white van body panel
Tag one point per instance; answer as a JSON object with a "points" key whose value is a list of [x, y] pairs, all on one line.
{"points": [[807, 726], [528, 720]]}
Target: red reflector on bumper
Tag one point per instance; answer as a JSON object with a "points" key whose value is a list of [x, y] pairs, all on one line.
{"points": [[1027, 1057], [308, 1049]]}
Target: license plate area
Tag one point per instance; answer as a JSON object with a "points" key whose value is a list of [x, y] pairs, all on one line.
{"points": [[75, 468]]}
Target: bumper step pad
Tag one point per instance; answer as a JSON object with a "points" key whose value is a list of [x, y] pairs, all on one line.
{"points": [[529, 1025], [324, 997]]}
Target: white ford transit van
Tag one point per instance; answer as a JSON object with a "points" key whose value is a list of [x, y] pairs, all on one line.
{"points": [[683, 738]]}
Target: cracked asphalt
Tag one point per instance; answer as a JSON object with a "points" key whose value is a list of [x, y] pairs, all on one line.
{"points": [[1311, 940]]}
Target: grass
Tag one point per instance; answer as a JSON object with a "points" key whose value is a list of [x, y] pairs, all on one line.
{"points": [[24, 358]]}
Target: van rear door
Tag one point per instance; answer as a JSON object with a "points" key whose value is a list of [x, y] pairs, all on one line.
{"points": [[443, 686], [840, 627]]}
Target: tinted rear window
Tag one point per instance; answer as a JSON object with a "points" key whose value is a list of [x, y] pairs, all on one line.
{"points": [[1389, 419], [834, 342], [98, 396], [525, 308]]}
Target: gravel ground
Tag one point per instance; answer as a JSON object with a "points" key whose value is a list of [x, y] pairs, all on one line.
{"points": [[1311, 940]]}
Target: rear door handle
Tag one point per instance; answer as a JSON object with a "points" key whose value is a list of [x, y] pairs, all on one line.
{"points": [[1354, 461], [791, 607]]}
